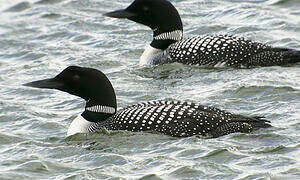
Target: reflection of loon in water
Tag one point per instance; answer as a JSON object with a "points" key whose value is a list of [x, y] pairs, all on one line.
{"points": [[174, 118], [168, 46]]}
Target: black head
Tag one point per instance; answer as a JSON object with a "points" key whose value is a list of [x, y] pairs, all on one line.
{"points": [[160, 15], [87, 83]]}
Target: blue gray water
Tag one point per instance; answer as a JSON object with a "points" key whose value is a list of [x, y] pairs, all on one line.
{"points": [[40, 38]]}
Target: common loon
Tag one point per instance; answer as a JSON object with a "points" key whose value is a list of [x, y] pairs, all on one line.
{"points": [[174, 118], [168, 45]]}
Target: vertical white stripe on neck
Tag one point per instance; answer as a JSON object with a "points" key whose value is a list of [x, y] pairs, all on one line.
{"points": [[102, 109], [148, 55], [173, 35]]}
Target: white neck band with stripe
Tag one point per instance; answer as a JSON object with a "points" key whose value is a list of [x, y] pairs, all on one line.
{"points": [[101, 109], [174, 35]]}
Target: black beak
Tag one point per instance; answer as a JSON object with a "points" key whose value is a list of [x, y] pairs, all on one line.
{"points": [[46, 83], [123, 13]]}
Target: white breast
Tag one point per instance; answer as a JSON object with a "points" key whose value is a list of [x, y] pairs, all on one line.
{"points": [[79, 125], [148, 55]]}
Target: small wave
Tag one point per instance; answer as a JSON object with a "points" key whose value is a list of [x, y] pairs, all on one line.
{"points": [[270, 149], [282, 2], [48, 1], [19, 7], [150, 176], [51, 16], [33, 166]]}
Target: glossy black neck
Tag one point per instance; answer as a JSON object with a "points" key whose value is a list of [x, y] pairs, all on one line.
{"points": [[162, 44], [96, 116], [163, 39]]}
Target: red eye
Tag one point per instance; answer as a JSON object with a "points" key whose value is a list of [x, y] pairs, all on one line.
{"points": [[76, 77], [145, 8]]}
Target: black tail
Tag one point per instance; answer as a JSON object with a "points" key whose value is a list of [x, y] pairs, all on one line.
{"points": [[259, 123], [291, 55], [244, 126]]}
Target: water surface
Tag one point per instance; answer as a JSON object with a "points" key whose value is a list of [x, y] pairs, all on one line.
{"points": [[40, 38]]}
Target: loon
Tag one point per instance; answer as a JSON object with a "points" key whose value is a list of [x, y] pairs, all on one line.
{"points": [[168, 45], [173, 118]]}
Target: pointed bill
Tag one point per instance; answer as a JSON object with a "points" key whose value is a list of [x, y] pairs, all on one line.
{"points": [[123, 13], [45, 83]]}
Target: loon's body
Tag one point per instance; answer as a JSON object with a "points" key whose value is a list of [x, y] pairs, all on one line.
{"points": [[174, 118], [168, 45]]}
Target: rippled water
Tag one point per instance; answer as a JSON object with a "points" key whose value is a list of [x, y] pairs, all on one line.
{"points": [[40, 38]]}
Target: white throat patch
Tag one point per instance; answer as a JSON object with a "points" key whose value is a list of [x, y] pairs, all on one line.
{"points": [[148, 55], [79, 125], [101, 109]]}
